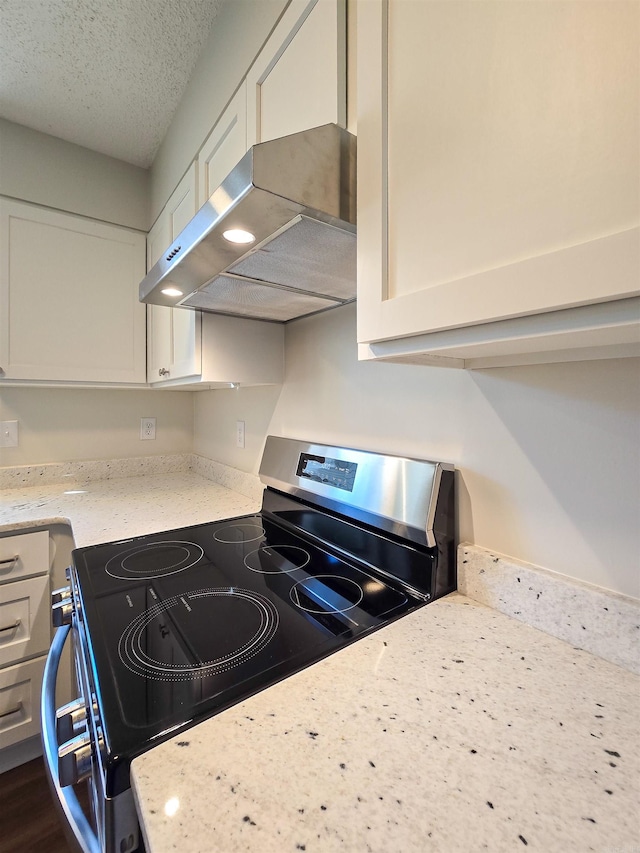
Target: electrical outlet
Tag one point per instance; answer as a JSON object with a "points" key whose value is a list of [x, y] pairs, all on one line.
{"points": [[147, 428], [239, 433], [8, 433]]}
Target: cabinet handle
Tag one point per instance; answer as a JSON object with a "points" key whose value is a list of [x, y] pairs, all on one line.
{"points": [[163, 372], [10, 562], [12, 711], [15, 625]]}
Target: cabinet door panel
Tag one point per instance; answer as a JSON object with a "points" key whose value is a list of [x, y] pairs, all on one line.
{"points": [[173, 333], [225, 146], [69, 295], [23, 555], [298, 80], [24, 619], [20, 689], [497, 161], [185, 350], [158, 316]]}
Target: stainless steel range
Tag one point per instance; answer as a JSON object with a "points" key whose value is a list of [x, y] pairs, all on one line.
{"points": [[172, 628]]}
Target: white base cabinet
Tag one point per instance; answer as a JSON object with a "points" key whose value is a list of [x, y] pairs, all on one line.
{"points": [[69, 309], [497, 182], [20, 690], [25, 633]]}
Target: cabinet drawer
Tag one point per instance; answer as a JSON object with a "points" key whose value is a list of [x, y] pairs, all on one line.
{"points": [[23, 555], [20, 688], [24, 619]]}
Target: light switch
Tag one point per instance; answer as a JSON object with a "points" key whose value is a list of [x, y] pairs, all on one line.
{"points": [[8, 433], [239, 433]]}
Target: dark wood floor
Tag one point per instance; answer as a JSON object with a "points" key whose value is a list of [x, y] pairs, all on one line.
{"points": [[29, 821]]}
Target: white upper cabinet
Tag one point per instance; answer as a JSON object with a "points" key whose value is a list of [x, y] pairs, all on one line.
{"points": [[497, 181], [173, 334], [298, 80], [225, 146], [69, 309]]}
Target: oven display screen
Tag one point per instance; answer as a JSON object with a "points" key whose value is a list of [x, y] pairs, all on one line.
{"points": [[322, 469]]}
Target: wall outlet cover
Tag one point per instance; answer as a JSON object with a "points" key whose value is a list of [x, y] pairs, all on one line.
{"points": [[147, 429]]}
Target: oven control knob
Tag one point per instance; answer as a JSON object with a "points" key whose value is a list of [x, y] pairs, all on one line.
{"points": [[62, 594], [74, 760], [70, 719], [61, 613]]}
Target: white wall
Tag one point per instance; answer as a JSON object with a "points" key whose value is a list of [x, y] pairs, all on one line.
{"points": [[548, 455], [39, 168], [72, 424]]}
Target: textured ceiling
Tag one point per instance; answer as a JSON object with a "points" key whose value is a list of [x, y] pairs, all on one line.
{"points": [[106, 74]]}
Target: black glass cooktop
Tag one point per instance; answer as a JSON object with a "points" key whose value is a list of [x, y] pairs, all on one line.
{"points": [[182, 624]]}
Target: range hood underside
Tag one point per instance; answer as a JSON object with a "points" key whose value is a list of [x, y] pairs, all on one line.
{"points": [[296, 196], [309, 266]]}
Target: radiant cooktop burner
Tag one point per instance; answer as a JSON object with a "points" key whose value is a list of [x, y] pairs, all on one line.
{"points": [[275, 559], [154, 560], [186, 636], [240, 532], [326, 594]]}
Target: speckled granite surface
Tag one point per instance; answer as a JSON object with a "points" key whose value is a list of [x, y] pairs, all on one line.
{"points": [[594, 619], [108, 510], [24, 476], [454, 729]]}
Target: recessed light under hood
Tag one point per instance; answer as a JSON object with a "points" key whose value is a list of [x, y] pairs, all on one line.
{"points": [[296, 196]]}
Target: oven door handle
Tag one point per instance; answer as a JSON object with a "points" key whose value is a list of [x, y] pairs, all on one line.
{"points": [[78, 826]]}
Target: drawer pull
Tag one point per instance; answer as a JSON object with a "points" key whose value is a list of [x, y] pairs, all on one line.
{"points": [[12, 711], [9, 563], [15, 625]]}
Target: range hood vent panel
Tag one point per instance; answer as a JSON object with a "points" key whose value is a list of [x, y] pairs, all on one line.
{"points": [[297, 258], [242, 298], [297, 196]]}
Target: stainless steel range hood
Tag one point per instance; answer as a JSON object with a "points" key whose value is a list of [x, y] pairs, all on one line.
{"points": [[297, 197]]}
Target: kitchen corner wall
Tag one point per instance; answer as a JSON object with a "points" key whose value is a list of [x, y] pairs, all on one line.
{"points": [[73, 424], [69, 424], [42, 169], [547, 455]]}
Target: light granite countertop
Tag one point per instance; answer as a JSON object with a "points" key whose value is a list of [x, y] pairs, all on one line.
{"points": [[109, 510], [455, 728]]}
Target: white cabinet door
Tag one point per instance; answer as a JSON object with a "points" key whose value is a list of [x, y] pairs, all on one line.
{"points": [[298, 80], [24, 619], [158, 317], [69, 308], [497, 180], [225, 146], [173, 346], [25, 633], [20, 690], [23, 555]]}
